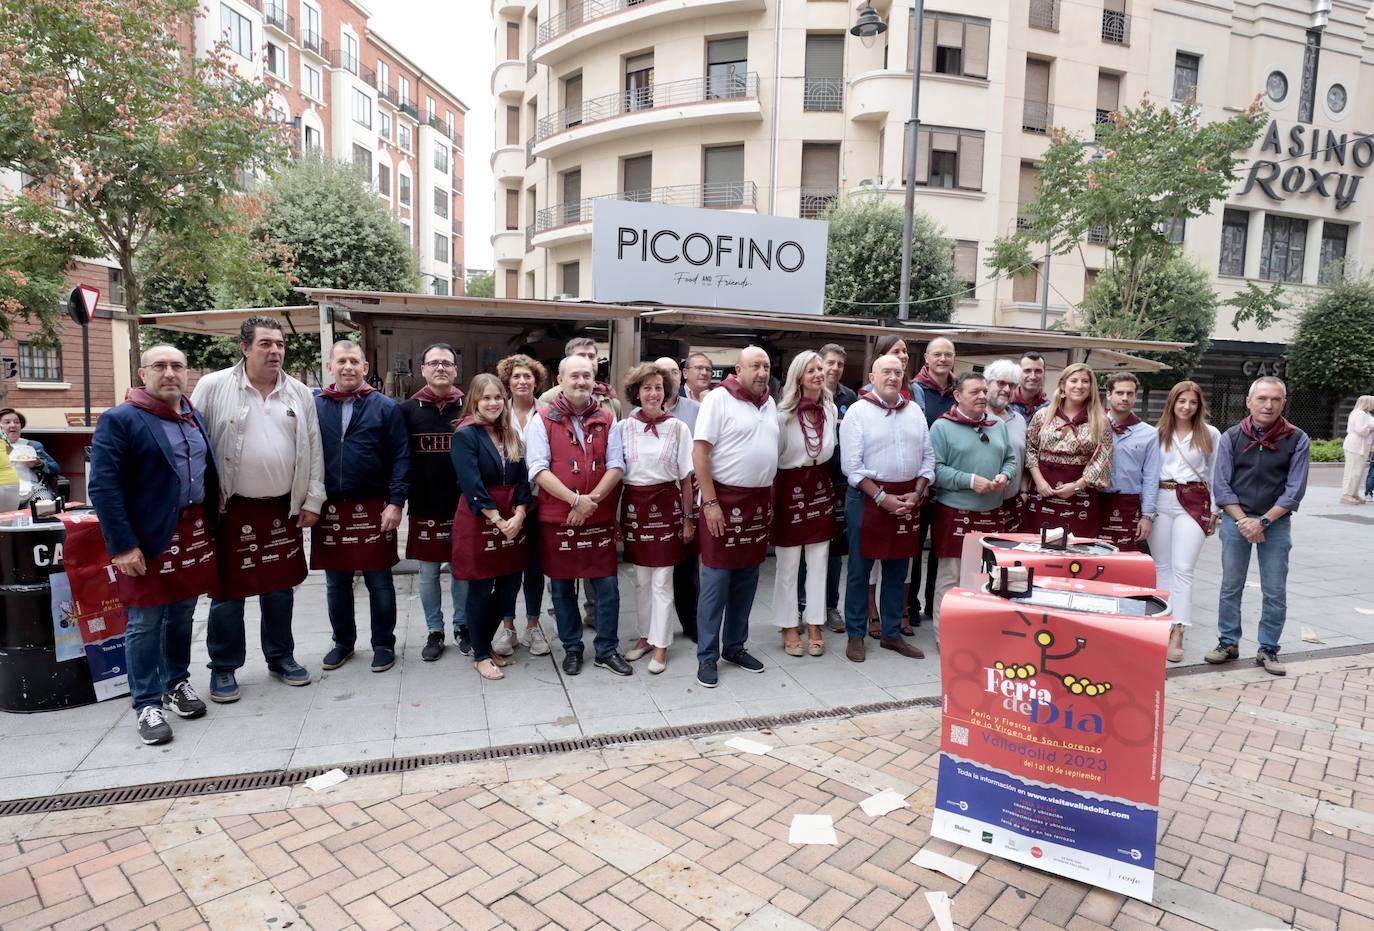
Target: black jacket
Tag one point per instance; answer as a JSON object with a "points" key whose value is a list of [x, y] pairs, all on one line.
{"points": [[433, 481], [373, 458]]}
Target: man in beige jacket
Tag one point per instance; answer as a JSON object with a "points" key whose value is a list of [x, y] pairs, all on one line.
{"points": [[266, 438]]}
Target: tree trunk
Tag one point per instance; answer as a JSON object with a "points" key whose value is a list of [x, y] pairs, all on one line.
{"points": [[131, 299]]}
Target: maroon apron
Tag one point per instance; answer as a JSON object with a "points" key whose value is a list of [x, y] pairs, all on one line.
{"points": [[885, 535], [951, 524], [1013, 513], [748, 514], [186, 570], [803, 506], [480, 550], [349, 537], [261, 549], [428, 539], [1196, 499], [586, 552], [1119, 514], [1077, 513], [651, 523]]}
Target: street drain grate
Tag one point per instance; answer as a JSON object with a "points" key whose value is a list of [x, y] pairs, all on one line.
{"points": [[271, 779]]}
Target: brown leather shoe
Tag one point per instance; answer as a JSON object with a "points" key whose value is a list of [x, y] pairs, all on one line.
{"points": [[854, 650], [902, 647]]}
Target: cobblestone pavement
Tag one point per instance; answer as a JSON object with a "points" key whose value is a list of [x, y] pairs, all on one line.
{"points": [[1267, 821]]}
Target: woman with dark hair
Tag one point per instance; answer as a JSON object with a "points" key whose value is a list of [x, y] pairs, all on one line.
{"points": [[489, 548], [524, 377], [1187, 451], [1069, 455]]}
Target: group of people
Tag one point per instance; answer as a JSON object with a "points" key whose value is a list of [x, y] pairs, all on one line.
{"points": [[509, 487]]}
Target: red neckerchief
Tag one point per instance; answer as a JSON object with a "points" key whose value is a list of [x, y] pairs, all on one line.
{"points": [[145, 400], [603, 389], [426, 395], [1018, 398], [357, 393], [926, 380], [564, 407], [957, 416], [741, 393], [902, 401], [811, 414], [1269, 439], [468, 421], [1120, 428], [651, 423], [1078, 420]]}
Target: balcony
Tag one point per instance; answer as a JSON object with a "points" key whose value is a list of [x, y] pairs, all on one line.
{"points": [[410, 110], [1037, 117], [315, 44], [508, 8], [508, 80], [529, 152], [586, 23], [508, 246], [823, 95], [508, 163], [572, 221], [1044, 14], [816, 201], [388, 95], [1116, 27], [1097, 235], [695, 101], [341, 58], [1023, 223], [274, 15], [1103, 117], [439, 126]]}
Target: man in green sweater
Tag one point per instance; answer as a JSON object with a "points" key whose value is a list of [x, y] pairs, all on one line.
{"points": [[974, 463]]}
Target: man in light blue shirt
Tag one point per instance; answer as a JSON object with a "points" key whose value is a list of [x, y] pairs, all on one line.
{"points": [[1127, 507]]}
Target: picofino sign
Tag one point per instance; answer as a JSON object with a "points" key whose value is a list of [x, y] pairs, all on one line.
{"points": [[653, 253]]}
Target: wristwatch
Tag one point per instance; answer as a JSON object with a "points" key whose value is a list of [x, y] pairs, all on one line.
{"points": [[1265, 522]]}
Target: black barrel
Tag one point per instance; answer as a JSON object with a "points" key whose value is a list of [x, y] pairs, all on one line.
{"points": [[31, 678]]}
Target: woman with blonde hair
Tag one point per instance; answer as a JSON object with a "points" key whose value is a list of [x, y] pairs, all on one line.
{"points": [[1359, 433], [489, 548], [1187, 451], [803, 500], [1069, 455]]}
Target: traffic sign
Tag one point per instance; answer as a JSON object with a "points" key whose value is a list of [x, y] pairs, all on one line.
{"points": [[81, 304]]}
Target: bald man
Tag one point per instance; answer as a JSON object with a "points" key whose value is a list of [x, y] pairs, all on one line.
{"points": [[933, 392], [683, 408]]}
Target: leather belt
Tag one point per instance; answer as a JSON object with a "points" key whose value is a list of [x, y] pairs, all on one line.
{"points": [[1170, 485]]}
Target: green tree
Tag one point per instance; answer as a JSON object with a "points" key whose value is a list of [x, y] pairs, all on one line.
{"points": [[483, 285], [101, 101], [863, 269], [1330, 350]]}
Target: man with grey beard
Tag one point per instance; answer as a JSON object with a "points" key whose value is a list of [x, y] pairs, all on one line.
{"points": [[1003, 376]]}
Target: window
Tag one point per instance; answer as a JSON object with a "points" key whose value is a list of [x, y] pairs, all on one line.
{"points": [[403, 135], [512, 209], [310, 28], [38, 363], [1173, 229], [405, 228], [441, 157], [441, 286], [1331, 263], [727, 66], [1025, 286], [512, 278], [384, 180], [1235, 228], [966, 266], [820, 177], [403, 190], [384, 124], [1185, 75], [572, 100], [639, 82], [1036, 112], [441, 200], [403, 94], [362, 108], [950, 158], [1282, 248], [276, 114], [383, 74], [441, 248], [362, 161], [312, 141], [276, 60], [512, 41], [1108, 97], [956, 45], [572, 196], [570, 277], [723, 174], [448, 124], [310, 82], [237, 31], [824, 86], [637, 178], [512, 125], [430, 112], [118, 295], [350, 52]]}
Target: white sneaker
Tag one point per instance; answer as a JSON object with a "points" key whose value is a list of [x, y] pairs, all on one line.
{"points": [[503, 644], [532, 639]]}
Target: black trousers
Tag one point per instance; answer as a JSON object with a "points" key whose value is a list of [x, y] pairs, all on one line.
{"points": [[686, 590], [923, 558]]}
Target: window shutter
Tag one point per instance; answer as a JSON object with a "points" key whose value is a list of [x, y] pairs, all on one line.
{"points": [[928, 43], [723, 51], [970, 162], [638, 173], [966, 260], [950, 33], [572, 94], [639, 63], [512, 125], [1037, 81], [820, 166], [824, 56], [512, 280], [944, 141], [512, 41], [512, 210], [725, 164], [922, 156], [1025, 191], [976, 38], [1108, 92]]}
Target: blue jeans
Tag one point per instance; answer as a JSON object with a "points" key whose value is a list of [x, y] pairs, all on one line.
{"points": [[432, 598], [1369, 479], [727, 596], [891, 583], [532, 582], [225, 640], [157, 650], [381, 600], [1273, 567], [485, 599], [606, 592]]}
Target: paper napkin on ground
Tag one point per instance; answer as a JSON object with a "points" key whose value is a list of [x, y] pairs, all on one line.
{"points": [[939, 907], [745, 745], [325, 780], [812, 829], [883, 802], [954, 869]]}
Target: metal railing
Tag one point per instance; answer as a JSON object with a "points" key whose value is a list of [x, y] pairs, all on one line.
{"points": [[438, 124], [715, 194], [388, 94], [529, 152], [1044, 14], [1116, 27], [824, 95], [579, 12], [693, 90], [1103, 117], [312, 41], [275, 15], [816, 201], [342, 58], [530, 66], [1097, 235], [1037, 116], [409, 109]]}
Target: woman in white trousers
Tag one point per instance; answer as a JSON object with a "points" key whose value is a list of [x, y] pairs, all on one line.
{"points": [[1188, 446], [1359, 432], [803, 500]]}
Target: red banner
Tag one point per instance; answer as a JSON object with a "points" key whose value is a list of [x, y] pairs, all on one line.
{"points": [[96, 606]]}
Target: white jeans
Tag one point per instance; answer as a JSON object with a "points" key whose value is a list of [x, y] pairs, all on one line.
{"points": [[946, 577], [1352, 481], [1175, 542], [785, 583], [654, 599]]}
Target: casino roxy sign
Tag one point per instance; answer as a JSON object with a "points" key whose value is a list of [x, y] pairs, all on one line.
{"points": [[1295, 171]]}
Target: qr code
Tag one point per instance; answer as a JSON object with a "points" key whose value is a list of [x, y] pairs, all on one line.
{"points": [[958, 735], [97, 623]]}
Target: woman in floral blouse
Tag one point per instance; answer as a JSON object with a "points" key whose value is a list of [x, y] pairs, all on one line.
{"points": [[1069, 455]]}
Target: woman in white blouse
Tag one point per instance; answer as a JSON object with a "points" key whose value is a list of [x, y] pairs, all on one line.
{"points": [[1188, 446], [1359, 432], [803, 500], [523, 378], [655, 507]]}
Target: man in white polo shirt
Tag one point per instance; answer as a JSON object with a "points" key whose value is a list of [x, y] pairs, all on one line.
{"points": [[735, 455]]}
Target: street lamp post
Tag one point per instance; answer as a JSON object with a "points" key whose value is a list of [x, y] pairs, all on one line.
{"points": [[869, 26]]}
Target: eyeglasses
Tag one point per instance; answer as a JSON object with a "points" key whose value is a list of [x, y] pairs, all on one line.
{"points": [[440, 365], [177, 367]]}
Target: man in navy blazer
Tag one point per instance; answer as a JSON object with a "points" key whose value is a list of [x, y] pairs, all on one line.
{"points": [[156, 493]]}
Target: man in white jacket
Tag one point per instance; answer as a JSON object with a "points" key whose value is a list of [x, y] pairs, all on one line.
{"points": [[266, 437]]}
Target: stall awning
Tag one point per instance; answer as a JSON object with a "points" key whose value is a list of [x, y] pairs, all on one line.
{"points": [[301, 319]]}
